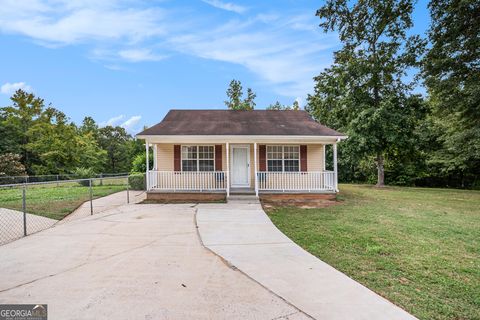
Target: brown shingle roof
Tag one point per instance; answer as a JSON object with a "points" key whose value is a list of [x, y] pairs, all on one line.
{"points": [[230, 122]]}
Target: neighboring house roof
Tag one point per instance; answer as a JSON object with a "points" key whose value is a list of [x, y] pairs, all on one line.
{"points": [[232, 122]]}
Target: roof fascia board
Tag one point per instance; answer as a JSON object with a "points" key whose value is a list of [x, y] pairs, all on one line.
{"points": [[239, 139]]}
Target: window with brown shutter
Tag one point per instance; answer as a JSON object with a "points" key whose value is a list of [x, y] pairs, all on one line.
{"points": [[283, 158], [197, 158]]}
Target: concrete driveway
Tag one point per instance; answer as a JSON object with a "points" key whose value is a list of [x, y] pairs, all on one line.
{"points": [[132, 262], [243, 235]]}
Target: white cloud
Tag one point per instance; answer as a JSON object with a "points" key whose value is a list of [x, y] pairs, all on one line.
{"points": [[137, 55], [131, 123], [228, 6], [61, 22], [9, 88], [284, 50], [112, 121], [272, 50]]}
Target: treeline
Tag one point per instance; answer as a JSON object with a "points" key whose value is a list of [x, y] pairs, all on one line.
{"points": [[39, 140], [397, 136]]}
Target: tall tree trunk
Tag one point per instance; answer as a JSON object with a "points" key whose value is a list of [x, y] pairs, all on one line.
{"points": [[380, 171]]}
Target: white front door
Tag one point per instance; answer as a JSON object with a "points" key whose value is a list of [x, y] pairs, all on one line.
{"points": [[240, 166]]}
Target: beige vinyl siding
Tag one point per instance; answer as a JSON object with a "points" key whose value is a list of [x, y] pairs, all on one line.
{"points": [[165, 157], [315, 157]]}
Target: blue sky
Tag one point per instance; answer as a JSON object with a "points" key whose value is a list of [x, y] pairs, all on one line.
{"points": [[127, 62]]}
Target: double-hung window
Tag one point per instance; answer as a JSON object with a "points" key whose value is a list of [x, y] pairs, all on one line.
{"points": [[198, 158], [283, 158]]}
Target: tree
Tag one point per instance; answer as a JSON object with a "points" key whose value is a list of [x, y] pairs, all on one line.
{"points": [[452, 76], [364, 93], [16, 121], [278, 106], [89, 126], [235, 97], [10, 165], [53, 139], [115, 141], [49, 143], [295, 105], [90, 154]]}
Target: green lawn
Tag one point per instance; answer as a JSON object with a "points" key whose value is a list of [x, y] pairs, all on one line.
{"points": [[418, 247], [52, 201]]}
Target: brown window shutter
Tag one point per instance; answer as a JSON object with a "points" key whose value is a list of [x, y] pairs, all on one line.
{"points": [[218, 157], [262, 157], [176, 158], [303, 158]]}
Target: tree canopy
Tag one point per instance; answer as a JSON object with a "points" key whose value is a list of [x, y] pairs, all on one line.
{"points": [[235, 97], [44, 141], [278, 106], [452, 76], [364, 93]]}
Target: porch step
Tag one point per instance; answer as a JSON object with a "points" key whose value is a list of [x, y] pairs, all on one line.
{"points": [[242, 191], [243, 198]]}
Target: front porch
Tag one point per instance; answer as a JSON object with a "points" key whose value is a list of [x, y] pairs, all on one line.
{"points": [[217, 181], [299, 169]]}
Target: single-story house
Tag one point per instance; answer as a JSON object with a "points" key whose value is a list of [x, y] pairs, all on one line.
{"points": [[211, 154]]}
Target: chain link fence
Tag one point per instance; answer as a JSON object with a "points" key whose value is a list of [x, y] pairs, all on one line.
{"points": [[6, 180], [31, 207]]}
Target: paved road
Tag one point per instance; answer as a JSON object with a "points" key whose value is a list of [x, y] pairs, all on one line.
{"points": [[244, 236], [131, 262]]}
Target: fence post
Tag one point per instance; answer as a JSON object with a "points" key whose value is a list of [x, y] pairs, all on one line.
{"points": [[128, 193], [24, 208], [91, 196]]}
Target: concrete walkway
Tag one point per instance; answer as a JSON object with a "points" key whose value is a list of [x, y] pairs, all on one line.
{"points": [[140, 261], [102, 204], [244, 236]]}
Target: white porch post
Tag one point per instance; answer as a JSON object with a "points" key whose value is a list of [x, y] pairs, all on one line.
{"points": [[155, 153], [335, 169], [228, 169], [147, 176], [324, 157], [255, 163]]}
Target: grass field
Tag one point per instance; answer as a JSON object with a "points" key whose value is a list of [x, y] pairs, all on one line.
{"points": [[53, 201], [419, 248]]}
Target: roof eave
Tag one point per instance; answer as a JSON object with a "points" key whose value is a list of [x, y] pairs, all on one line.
{"points": [[241, 138]]}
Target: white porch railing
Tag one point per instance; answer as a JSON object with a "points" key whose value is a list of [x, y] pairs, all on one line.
{"points": [[296, 181], [187, 181]]}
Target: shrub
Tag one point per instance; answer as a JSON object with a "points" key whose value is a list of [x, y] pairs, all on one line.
{"points": [[137, 181], [138, 164], [84, 173], [11, 165]]}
